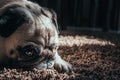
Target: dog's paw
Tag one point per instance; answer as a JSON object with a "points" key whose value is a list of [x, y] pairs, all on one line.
{"points": [[62, 66]]}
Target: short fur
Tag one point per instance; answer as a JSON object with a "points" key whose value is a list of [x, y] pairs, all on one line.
{"points": [[24, 23]]}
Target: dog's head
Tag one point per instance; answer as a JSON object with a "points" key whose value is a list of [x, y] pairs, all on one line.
{"points": [[28, 31]]}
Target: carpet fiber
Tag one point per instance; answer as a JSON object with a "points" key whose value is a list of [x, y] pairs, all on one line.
{"points": [[94, 56]]}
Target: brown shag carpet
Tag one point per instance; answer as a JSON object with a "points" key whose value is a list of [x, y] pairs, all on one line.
{"points": [[94, 56]]}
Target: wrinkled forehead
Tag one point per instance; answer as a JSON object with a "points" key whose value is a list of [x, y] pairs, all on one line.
{"points": [[23, 12]]}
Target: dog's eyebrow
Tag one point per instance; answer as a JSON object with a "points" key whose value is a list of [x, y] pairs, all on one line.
{"points": [[37, 42]]}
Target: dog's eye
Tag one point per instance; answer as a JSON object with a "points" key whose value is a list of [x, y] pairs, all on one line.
{"points": [[30, 51]]}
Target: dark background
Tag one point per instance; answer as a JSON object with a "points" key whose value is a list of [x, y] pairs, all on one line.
{"points": [[93, 14]]}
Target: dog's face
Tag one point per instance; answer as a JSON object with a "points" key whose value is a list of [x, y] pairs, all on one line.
{"points": [[28, 33]]}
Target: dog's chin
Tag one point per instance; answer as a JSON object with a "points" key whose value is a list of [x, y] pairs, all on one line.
{"points": [[45, 65], [39, 63]]}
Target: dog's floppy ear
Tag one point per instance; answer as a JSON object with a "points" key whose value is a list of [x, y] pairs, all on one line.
{"points": [[10, 20], [51, 14]]}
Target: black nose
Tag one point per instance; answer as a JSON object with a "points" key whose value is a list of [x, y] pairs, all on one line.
{"points": [[11, 18]]}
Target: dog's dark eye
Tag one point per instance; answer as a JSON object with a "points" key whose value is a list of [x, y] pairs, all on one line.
{"points": [[30, 51]]}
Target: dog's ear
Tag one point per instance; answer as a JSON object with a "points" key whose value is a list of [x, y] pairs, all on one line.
{"points": [[10, 20], [51, 14]]}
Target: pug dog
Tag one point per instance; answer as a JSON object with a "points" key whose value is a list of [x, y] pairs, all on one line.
{"points": [[29, 36]]}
